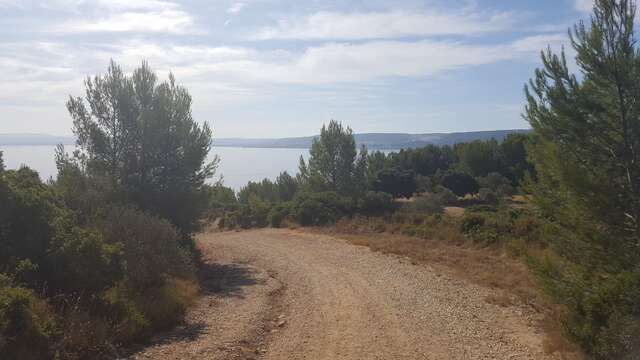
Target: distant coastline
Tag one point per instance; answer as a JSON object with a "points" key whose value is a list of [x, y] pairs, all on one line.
{"points": [[373, 141], [35, 139]]}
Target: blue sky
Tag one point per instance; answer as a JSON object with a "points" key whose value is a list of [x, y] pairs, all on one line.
{"points": [[273, 68]]}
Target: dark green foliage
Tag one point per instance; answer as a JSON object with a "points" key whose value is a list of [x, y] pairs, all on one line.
{"points": [[25, 214], [334, 163], [287, 186], [479, 158], [460, 183], [265, 190], [26, 327], [426, 204], [515, 165], [586, 148], [488, 196], [221, 199], [496, 182], [150, 247], [106, 272], [253, 214], [320, 208], [376, 203], [126, 254], [82, 262], [278, 213], [423, 161], [399, 183], [446, 196], [139, 135]]}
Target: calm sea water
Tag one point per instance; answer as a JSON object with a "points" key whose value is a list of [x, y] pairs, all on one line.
{"points": [[237, 165]]}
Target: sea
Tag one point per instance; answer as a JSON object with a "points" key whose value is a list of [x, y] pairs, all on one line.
{"points": [[237, 165]]}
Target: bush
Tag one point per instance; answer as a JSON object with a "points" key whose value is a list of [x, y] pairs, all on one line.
{"points": [[26, 326], [460, 183], [320, 208], [488, 196], [447, 197], [150, 248], [426, 204], [376, 203], [278, 213], [221, 199], [397, 182], [472, 223]]}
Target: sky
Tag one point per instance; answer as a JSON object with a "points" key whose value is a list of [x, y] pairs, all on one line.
{"points": [[277, 68]]}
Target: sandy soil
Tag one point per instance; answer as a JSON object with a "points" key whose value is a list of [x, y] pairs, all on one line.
{"points": [[284, 294]]}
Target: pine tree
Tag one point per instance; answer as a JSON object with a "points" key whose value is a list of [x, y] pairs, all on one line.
{"points": [[140, 135], [333, 162], [586, 151]]}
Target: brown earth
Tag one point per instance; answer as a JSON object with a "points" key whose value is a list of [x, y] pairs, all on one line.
{"points": [[286, 294]]}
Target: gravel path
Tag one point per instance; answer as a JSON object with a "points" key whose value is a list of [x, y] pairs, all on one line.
{"points": [[282, 294]]}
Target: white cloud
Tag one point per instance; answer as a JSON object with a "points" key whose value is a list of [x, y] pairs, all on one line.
{"points": [[167, 21], [384, 25], [127, 16], [339, 62], [137, 4], [584, 5], [9, 3], [538, 43], [236, 7]]}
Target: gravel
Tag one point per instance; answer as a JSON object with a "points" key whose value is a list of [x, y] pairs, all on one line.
{"points": [[284, 294]]}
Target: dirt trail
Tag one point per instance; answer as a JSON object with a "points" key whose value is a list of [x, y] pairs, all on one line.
{"points": [[292, 295]]}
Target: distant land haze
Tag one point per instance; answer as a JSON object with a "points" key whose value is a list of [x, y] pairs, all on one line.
{"points": [[376, 141], [35, 139]]}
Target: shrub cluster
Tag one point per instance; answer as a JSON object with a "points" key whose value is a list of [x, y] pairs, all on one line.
{"points": [[75, 290]]}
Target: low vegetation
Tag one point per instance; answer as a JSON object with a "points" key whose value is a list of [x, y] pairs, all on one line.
{"points": [[104, 256]]}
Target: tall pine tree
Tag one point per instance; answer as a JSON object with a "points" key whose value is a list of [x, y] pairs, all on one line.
{"points": [[586, 151]]}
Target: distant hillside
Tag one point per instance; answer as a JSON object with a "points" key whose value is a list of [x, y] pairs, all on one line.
{"points": [[35, 139], [381, 141], [376, 141]]}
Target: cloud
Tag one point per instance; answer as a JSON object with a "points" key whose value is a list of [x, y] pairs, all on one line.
{"points": [[128, 16], [537, 43], [340, 62], [384, 25], [584, 5], [9, 3], [236, 7], [240, 69], [331, 63], [167, 21]]}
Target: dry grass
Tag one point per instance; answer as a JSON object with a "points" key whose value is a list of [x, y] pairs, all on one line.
{"points": [[509, 277], [454, 211], [167, 305]]}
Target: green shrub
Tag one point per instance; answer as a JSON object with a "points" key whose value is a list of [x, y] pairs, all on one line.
{"points": [[460, 183], [376, 203], [447, 197], [472, 222], [488, 196], [321, 208], [26, 326], [278, 213], [426, 204], [150, 248]]}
